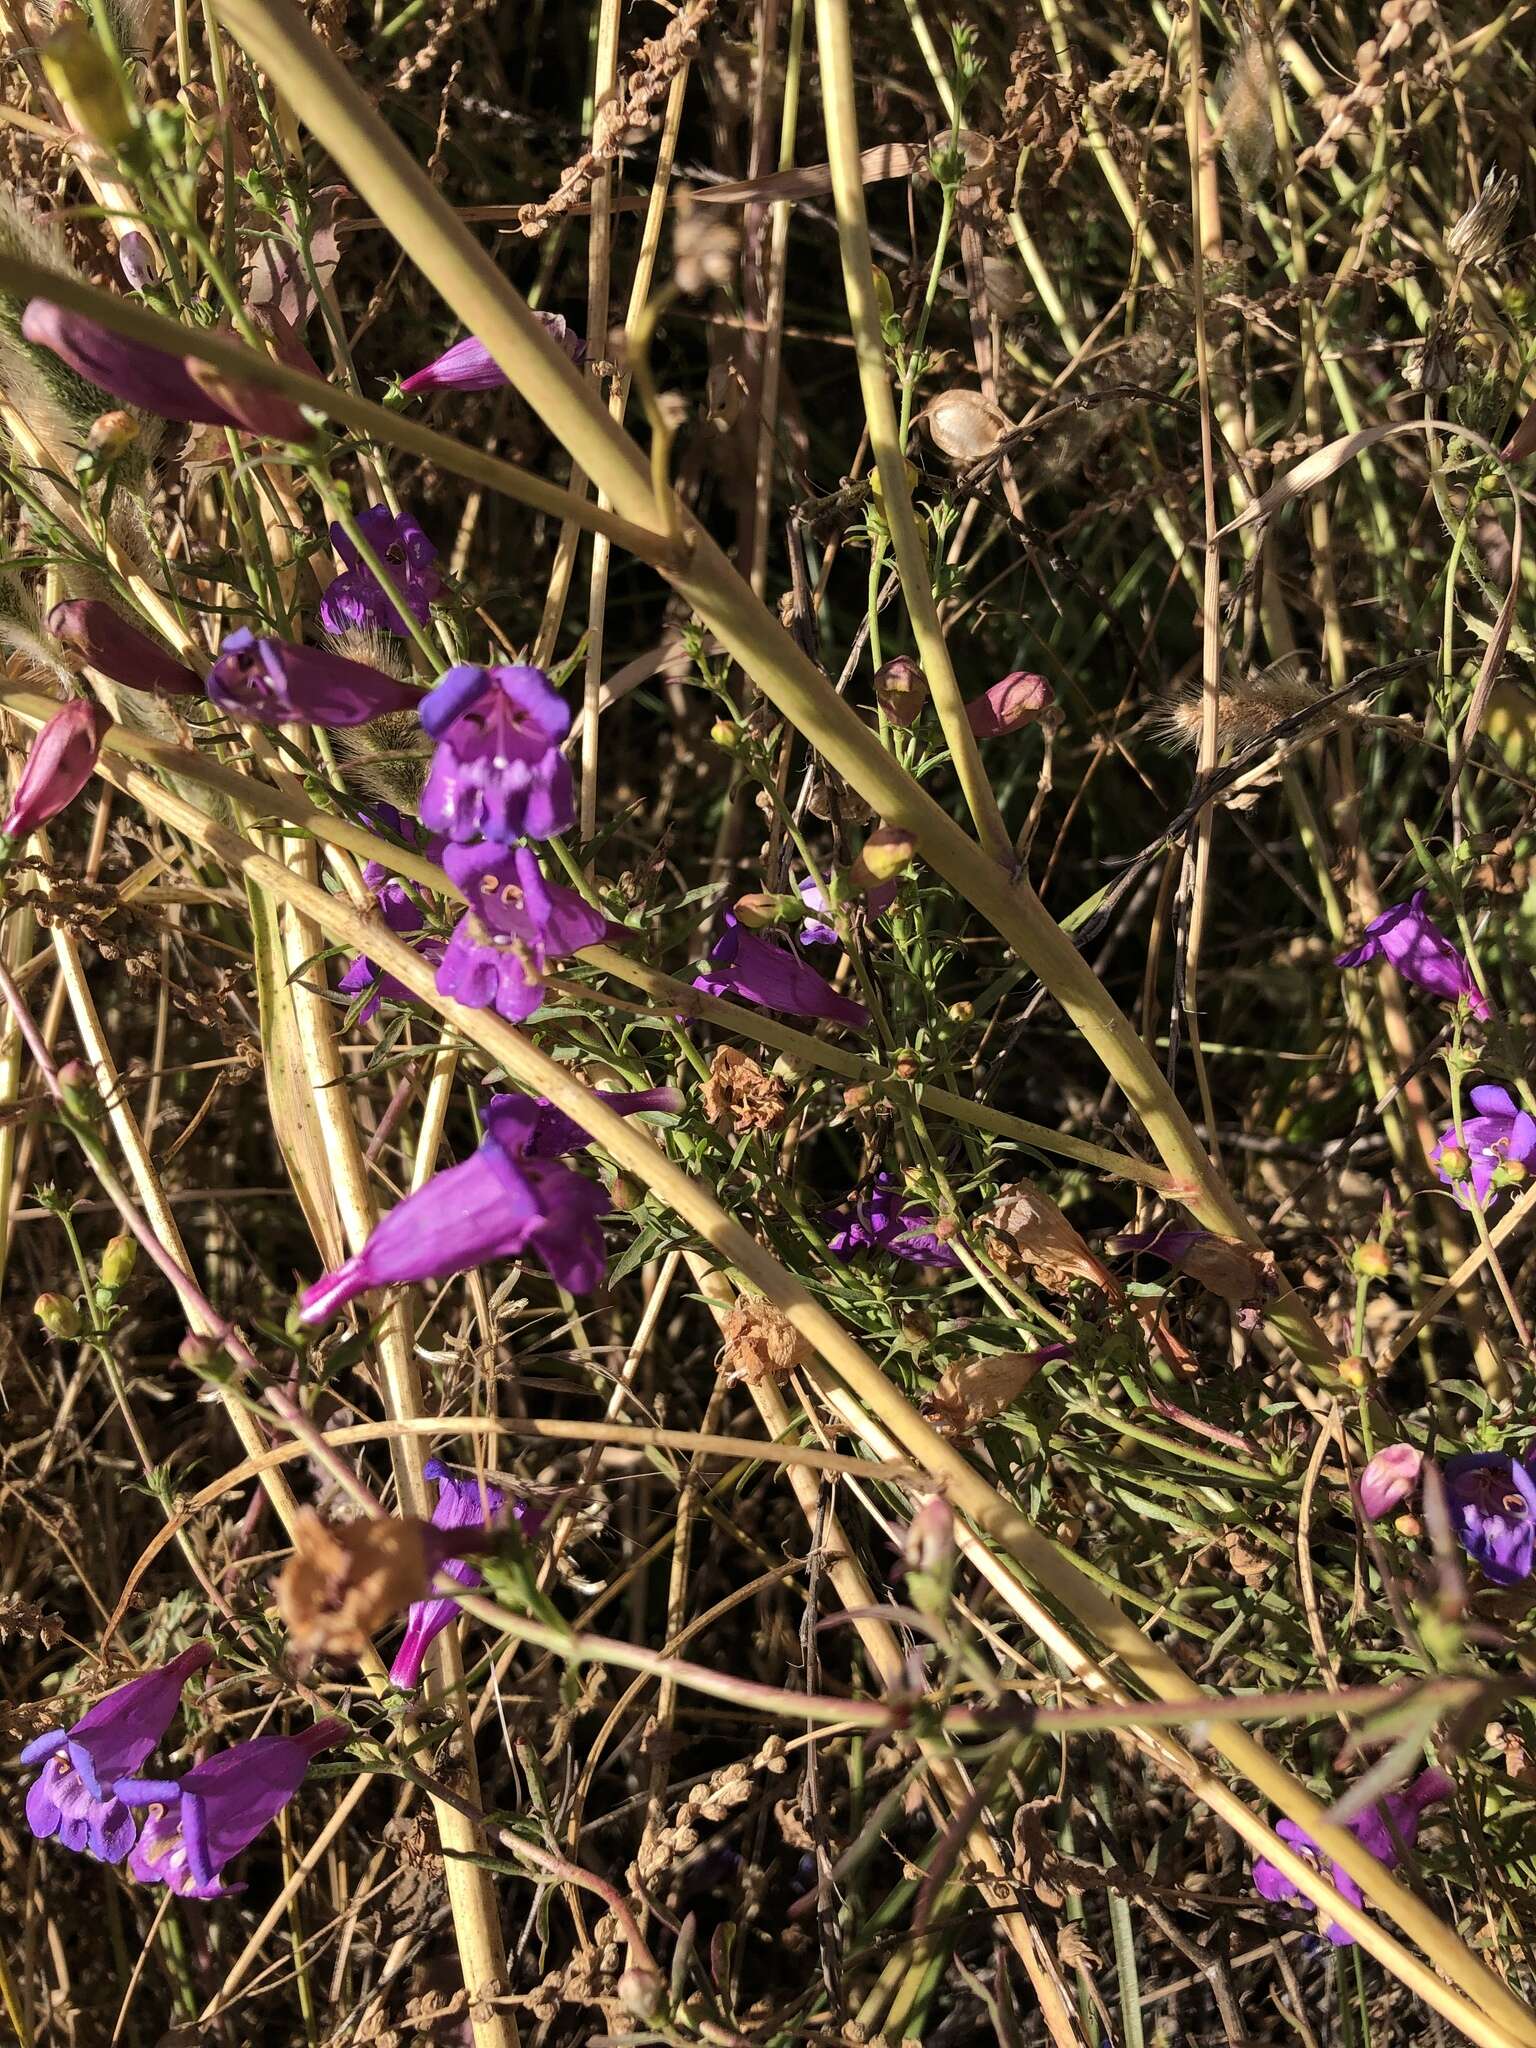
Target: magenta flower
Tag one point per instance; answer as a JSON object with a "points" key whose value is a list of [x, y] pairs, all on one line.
{"points": [[101, 636], [1407, 937], [1492, 1501], [556, 1133], [743, 963], [498, 772], [879, 1220], [58, 767], [356, 597], [461, 1504], [1388, 1479], [277, 682], [74, 1798], [1010, 705], [173, 387], [815, 931], [496, 1204], [516, 923], [1497, 1149], [1379, 1830], [470, 366], [196, 1824]]}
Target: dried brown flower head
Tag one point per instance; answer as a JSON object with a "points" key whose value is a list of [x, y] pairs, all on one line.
{"points": [[972, 1391], [739, 1092], [347, 1579], [1478, 235], [1032, 1227], [965, 426], [761, 1343]]}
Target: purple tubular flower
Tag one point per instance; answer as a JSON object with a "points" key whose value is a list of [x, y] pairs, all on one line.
{"points": [[1396, 1819], [74, 1797], [1492, 1500], [1407, 937], [744, 964], [277, 682], [494, 1205], [879, 1220], [356, 597], [195, 1825], [58, 767], [556, 1133], [516, 923], [814, 932], [102, 637], [498, 772], [461, 1504], [470, 366], [1498, 1145], [402, 915], [155, 380]]}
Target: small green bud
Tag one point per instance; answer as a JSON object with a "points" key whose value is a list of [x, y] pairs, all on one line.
{"points": [[117, 1261], [1355, 1372], [88, 83], [59, 1316], [82, 1098], [1371, 1260], [727, 735]]}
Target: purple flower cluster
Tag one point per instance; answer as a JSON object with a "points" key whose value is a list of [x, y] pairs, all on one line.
{"points": [[1380, 1830], [87, 1792]]}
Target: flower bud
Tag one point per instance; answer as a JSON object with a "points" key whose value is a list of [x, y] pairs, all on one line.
{"points": [[117, 1261], [906, 1065], [640, 1992], [928, 1555], [1372, 1261], [901, 690], [1355, 1372], [137, 260], [1452, 1160], [104, 639], [726, 734], [1389, 1479], [57, 768], [59, 1316], [624, 1194], [1018, 700], [88, 83], [760, 911], [859, 1096], [82, 1098], [886, 854]]}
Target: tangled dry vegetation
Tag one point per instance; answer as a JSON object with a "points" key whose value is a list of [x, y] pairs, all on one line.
{"points": [[986, 1440]]}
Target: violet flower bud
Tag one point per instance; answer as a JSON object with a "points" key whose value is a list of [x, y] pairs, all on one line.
{"points": [[277, 682], [745, 965], [494, 1205], [196, 1824], [469, 365], [1017, 701], [1389, 1479], [1373, 1830], [901, 690], [498, 772], [137, 260], [1491, 1496], [73, 1798], [155, 380], [57, 768], [1408, 937], [101, 636], [356, 598]]}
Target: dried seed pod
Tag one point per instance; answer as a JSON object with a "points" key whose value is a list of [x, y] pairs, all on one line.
{"points": [[972, 1391], [1032, 1225], [964, 426], [1478, 235]]}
